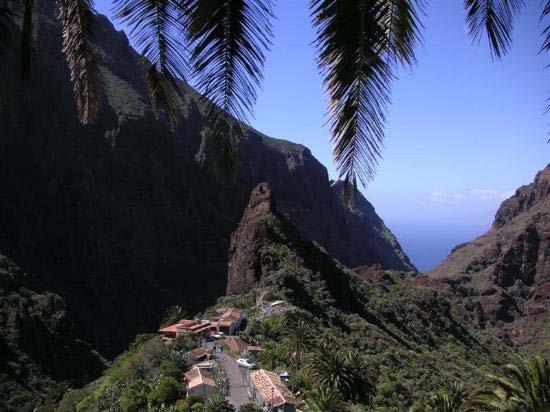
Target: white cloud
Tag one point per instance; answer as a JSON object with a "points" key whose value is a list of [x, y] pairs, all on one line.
{"points": [[439, 196], [490, 194], [443, 197]]}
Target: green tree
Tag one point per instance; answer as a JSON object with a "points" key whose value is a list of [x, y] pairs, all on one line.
{"points": [[343, 371], [134, 396], [197, 407], [298, 340], [271, 357], [250, 407], [218, 404], [323, 400], [166, 391], [524, 387], [185, 343], [452, 398], [172, 369]]}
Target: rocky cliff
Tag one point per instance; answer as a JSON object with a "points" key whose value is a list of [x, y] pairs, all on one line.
{"points": [[413, 337], [502, 279], [118, 217], [267, 248]]}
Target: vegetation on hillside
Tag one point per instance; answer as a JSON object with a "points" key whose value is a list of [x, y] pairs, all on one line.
{"points": [[38, 351], [148, 375]]}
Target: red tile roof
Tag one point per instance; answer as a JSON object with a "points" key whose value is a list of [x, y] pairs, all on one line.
{"points": [[271, 387], [232, 314], [188, 325], [197, 353], [235, 344], [198, 376]]}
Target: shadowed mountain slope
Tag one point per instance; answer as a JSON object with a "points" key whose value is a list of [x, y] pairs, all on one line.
{"points": [[37, 344], [118, 217]]}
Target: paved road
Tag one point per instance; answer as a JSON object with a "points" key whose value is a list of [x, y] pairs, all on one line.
{"points": [[238, 395]]}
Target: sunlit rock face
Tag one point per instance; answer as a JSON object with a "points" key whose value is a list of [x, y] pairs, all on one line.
{"points": [[502, 278]]}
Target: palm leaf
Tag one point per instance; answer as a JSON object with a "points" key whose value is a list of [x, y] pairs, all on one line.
{"points": [[526, 387], [157, 28], [76, 20], [26, 39], [219, 142], [546, 32], [358, 43], [494, 18], [546, 42], [229, 40]]}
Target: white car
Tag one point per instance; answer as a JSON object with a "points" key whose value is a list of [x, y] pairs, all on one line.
{"points": [[219, 335], [283, 375], [245, 363]]}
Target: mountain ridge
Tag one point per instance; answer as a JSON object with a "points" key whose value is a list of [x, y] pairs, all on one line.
{"points": [[502, 278], [118, 217]]}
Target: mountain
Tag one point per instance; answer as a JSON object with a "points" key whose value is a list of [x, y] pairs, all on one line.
{"points": [[126, 217], [502, 278], [413, 337], [266, 247], [38, 351]]}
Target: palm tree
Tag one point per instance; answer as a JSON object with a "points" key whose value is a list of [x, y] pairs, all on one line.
{"points": [[298, 340], [222, 44], [452, 398], [323, 400], [343, 371], [525, 387], [271, 356]]}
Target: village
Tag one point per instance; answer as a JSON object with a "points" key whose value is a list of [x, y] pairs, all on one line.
{"points": [[224, 363]]}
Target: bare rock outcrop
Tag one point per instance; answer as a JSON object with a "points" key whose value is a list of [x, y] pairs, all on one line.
{"points": [[502, 278]]}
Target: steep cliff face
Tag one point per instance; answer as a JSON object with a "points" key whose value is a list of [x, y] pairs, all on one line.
{"points": [[503, 277], [267, 248], [37, 345], [364, 233], [118, 217]]}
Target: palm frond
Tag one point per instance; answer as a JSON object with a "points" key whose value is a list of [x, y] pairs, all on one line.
{"points": [[545, 48], [229, 40], [219, 140], [358, 43], [7, 26], [76, 20], [26, 39], [493, 18], [525, 387], [157, 29], [546, 32]]}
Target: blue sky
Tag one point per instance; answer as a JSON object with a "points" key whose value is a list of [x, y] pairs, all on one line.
{"points": [[463, 131]]}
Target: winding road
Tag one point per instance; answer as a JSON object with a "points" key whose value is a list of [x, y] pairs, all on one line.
{"points": [[238, 394]]}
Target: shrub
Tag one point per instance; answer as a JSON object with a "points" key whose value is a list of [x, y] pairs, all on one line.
{"points": [[184, 343], [218, 404], [134, 396], [197, 407], [171, 369], [250, 407], [166, 391]]}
